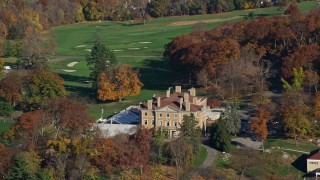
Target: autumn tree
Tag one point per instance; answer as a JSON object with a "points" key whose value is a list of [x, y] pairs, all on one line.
{"points": [[122, 81], [10, 87], [2, 73], [182, 154], [33, 53], [43, 84], [295, 114], [100, 60], [311, 81], [259, 124], [5, 160]]}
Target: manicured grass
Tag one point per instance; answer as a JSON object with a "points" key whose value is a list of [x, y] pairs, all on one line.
{"points": [[290, 144], [203, 153], [141, 46]]}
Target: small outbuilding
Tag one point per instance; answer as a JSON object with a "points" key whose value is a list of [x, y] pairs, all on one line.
{"points": [[313, 162]]}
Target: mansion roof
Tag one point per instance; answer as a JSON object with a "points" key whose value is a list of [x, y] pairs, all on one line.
{"points": [[173, 101]]}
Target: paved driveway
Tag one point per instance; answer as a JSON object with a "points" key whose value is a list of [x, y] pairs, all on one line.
{"points": [[210, 157], [247, 142]]}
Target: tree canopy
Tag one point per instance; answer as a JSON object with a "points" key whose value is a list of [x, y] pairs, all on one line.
{"points": [[100, 60]]}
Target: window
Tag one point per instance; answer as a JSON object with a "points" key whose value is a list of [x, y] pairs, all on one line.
{"points": [[153, 122], [168, 123], [160, 115], [146, 122], [316, 163], [175, 115], [145, 113], [168, 115], [160, 122], [176, 123]]}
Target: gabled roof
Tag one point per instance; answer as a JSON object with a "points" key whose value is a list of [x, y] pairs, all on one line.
{"points": [[173, 101], [315, 155]]}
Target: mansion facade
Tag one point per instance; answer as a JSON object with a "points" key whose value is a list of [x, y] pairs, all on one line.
{"points": [[167, 111]]}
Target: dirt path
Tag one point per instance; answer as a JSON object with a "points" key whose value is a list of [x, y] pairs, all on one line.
{"points": [[210, 157]]}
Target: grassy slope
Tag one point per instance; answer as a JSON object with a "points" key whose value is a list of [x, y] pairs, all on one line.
{"points": [[203, 153], [156, 73]]}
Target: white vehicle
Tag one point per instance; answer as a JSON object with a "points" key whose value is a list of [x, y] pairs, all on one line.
{"points": [[6, 67]]}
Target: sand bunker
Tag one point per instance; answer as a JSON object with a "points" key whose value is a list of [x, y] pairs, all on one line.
{"points": [[140, 43], [69, 70], [145, 47], [72, 64], [117, 50], [184, 23], [133, 48], [88, 50], [80, 46]]}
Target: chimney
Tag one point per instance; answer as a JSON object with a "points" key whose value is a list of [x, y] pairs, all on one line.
{"points": [[158, 101], [181, 101], [168, 93], [178, 89], [149, 104], [194, 101], [192, 92], [186, 97], [187, 106]]}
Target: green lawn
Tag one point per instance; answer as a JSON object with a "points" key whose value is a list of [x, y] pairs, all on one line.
{"points": [[203, 153], [5, 126], [141, 46], [290, 144]]}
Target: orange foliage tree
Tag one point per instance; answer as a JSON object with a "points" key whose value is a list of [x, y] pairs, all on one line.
{"points": [[259, 124], [123, 81], [10, 88]]}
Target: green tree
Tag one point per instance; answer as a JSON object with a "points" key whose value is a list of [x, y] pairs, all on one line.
{"points": [[19, 170], [219, 136], [100, 60], [6, 109], [231, 118], [296, 82], [190, 132], [158, 143], [43, 84], [45, 174]]}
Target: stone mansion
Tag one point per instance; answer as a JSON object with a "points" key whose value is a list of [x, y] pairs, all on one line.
{"points": [[167, 111]]}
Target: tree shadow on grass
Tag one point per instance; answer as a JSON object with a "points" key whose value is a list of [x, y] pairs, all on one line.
{"points": [[301, 163], [72, 78], [157, 74], [81, 91]]}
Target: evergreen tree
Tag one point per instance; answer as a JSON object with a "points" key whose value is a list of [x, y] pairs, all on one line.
{"points": [[189, 130], [99, 60], [231, 118], [219, 136], [19, 170], [6, 109]]}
